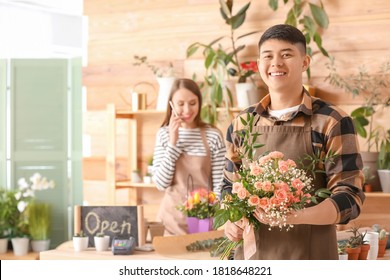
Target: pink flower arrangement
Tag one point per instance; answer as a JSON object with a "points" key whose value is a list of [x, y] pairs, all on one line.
{"points": [[201, 203], [271, 183]]}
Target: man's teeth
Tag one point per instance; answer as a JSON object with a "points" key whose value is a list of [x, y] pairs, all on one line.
{"points": [[277, 74]]}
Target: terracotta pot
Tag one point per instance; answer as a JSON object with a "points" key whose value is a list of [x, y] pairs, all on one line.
{"points": [[368, 187], [353, 253], [364, 251], [382, 247]]}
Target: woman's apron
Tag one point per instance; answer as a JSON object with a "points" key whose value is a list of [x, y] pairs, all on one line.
{"points": [[191, 172], [302, 242]]}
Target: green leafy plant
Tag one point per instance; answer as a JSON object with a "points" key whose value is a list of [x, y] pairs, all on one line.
{"points": [[100, 234], [220, 62], [81, 233], [167, 71], [384, 153], [311, 22], [39, 220], [372, 87]]}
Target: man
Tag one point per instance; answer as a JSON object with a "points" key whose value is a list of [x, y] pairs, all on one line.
{"points": [[296, 124]]}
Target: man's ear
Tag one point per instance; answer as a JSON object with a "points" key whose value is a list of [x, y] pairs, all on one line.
{"points": [[306, 63]]}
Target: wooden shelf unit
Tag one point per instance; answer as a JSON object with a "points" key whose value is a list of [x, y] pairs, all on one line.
{"points": [[112, 183]]}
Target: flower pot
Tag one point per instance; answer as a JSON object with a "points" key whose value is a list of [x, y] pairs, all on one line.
{"points": [[353, 253], [384, 177], [80, 243], [196, 225], [372, 239], [3, 245], [101, 243], [343, 257], [364, 251], [246, 94], [20, 245], [40, 245], [165, 85], [382, 246], [370, 161]]}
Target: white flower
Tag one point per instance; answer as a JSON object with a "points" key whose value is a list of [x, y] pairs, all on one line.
{"points": [[22, 183], [22, 205]]}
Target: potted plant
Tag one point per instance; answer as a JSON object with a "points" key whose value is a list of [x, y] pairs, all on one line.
{"points": [[4, 218], [148, 179], [342, 250], [384, 164], [199, 208], [372, 88], [354, 244], [382, 242], [222, 62], [80, 241], [165, 78], [368, 177], [102, 242], [39, 221]]}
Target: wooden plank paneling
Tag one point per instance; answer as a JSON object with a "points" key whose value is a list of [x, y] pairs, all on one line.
{"points": [[162, 31]]}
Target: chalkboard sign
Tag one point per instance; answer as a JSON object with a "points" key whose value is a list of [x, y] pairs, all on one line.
{"points": [[122, 221]]}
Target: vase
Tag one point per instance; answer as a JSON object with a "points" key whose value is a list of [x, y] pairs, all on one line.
{"points": [[101, 243], [382, 247], [343, 257], [40, 245], [384, 178], [370, 161], [372, 239], [20, 245], [353, 253], [80, 243], [196, 225], [165, 85], [3, 245], [246, 94], [364, 251]]}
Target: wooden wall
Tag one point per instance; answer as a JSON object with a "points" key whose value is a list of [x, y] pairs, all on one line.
{"points": [[162, 31]]}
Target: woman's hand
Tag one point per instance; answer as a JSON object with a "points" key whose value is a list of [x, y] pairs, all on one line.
{"points": [[174, 124], [233, 231]]}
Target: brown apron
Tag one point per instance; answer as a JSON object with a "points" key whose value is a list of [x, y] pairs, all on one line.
{"points": [[302, 242], [191, 172]]}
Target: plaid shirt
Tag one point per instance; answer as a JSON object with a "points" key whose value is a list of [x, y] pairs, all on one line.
{"points": [[331, 130]]}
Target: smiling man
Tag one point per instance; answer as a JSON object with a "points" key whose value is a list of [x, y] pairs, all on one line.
{"points": [[289, 120]]}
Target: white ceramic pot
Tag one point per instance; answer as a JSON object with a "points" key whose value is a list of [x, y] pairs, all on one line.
{"points": [[247, 94], [384, 177], [20, 245], [80, 243], [343, 257], [40, 245], [101, 243], [165, 85], [3, 245]]}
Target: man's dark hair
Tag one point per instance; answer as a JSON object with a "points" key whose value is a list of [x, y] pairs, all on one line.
{"points": [[284, 32]]}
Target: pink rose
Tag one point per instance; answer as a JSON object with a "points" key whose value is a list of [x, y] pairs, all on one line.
{"points": [[281, 195], [297, 183], [276, 155], [236, 187], [242, 193], [253, 200], [255, 169], [267, 186], [291, 163], [283, 166], [264, 202], [258, 185]]}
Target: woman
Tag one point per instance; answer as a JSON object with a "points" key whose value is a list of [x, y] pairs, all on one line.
{"points": [[188, 154]]}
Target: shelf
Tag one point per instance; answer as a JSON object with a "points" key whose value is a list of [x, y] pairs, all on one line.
{"points": [[377, 194], [129, 184]]}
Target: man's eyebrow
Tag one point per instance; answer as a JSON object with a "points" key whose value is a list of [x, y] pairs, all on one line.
{"points": [[282, 50]]}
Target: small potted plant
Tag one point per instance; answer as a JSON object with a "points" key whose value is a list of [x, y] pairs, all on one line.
{"points": [[342, 250], [148, 178], [382, 242], [102, 242], [80, 241], [354, 244], [39, 220]]}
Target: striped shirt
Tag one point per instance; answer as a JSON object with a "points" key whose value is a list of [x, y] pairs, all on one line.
{"points": [[189, 142], [332, 130]]}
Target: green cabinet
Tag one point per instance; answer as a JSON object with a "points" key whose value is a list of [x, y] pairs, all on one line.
{"points": [[43, 132]]}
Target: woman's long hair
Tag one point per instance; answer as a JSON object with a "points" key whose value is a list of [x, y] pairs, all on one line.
{"points": [[194, 88]]}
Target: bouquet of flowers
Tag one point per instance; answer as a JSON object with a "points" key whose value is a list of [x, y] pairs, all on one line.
{"points": [[275, 186], [201, 203]]}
